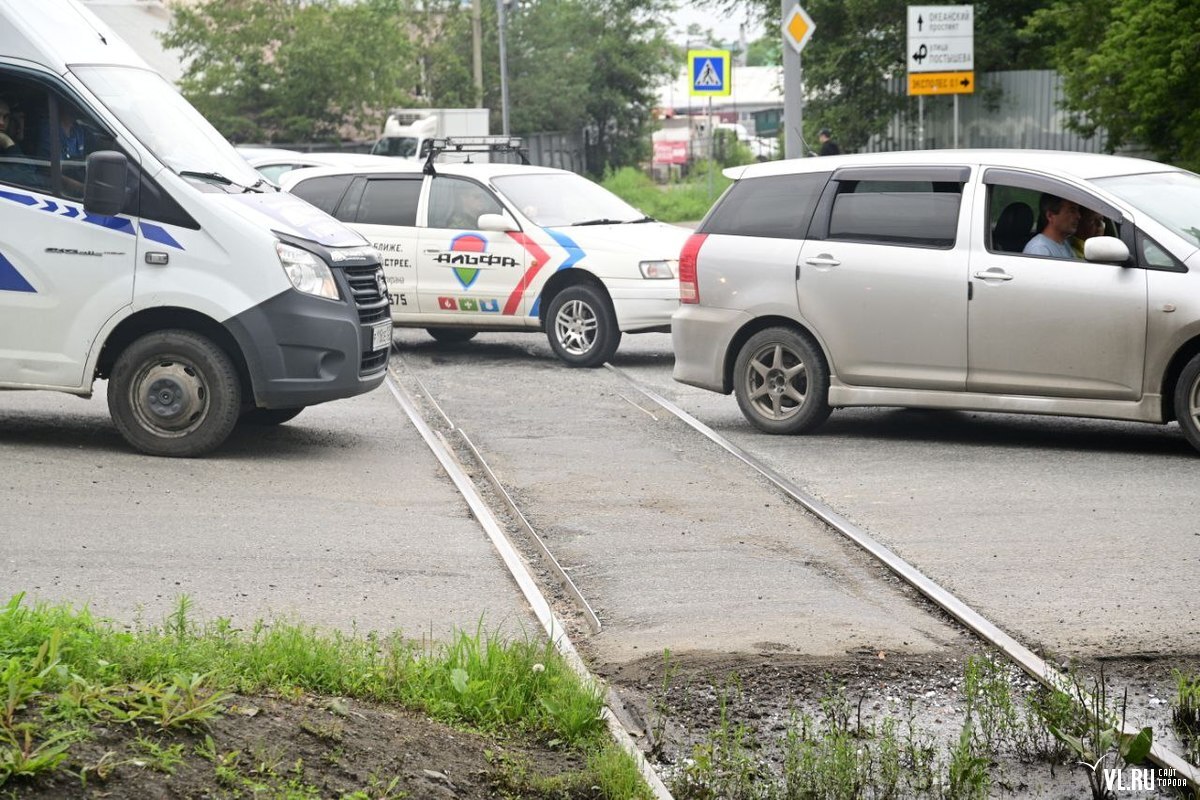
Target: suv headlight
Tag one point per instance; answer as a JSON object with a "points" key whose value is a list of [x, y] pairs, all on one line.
{"points": [[657, 270], [307, 273]]}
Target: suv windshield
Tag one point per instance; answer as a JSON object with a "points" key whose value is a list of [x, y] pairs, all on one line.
{"points": [[164, 122], [560, 199], [1171, 198]]}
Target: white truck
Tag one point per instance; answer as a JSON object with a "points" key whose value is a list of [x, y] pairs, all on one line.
{"points": [[408, 132], [137, 245]]}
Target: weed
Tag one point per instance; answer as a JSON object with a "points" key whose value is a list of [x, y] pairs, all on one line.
{"points": [[661, 709], [675, 202], [156, 756], [1093, 731], [617, 774], [22, 755], [968, 768]]}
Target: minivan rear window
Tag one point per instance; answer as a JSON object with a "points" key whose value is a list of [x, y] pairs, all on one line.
{"points": [[774, 206], [919, 214]]}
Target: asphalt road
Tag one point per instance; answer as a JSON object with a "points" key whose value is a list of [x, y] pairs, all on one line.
{"points": [[341, 519], [1080, 537]]}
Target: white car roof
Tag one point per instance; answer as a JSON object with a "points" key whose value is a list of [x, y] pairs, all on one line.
{"points": [[481, 172], [1084, 166]]}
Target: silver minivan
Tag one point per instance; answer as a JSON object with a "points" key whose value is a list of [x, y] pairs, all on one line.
{"points": [[901, 279]]}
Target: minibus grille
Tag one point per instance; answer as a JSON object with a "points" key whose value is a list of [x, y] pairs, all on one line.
{"points": [[372, 305], [364, 287]]}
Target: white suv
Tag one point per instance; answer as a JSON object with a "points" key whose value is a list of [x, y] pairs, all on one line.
{"points": [[493, 247], [899, 279]]}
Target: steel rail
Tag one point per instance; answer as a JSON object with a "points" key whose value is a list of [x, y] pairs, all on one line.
{"points": [[1033, 664], [523, 523], [526, 582]]}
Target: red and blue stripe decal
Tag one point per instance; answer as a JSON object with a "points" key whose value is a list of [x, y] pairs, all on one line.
{"points": [[575, 254]]}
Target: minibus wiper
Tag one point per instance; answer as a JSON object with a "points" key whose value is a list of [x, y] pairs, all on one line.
{"points": [[215, 177], [643, 219]]}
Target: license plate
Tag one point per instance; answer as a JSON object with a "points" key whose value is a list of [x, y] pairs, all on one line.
{"points": [[382, 336]]}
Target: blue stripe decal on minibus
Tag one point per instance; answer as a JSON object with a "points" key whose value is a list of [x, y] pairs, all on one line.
{"points": [[11, 280], [156, 234]]}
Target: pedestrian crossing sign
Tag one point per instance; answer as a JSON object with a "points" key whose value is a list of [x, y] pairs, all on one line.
{"points": [[710, 71]]}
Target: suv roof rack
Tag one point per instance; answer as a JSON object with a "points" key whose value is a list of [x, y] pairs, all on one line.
{"points": [[473, 144]]}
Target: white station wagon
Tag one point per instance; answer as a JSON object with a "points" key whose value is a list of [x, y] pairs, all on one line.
{"points": [[496, 247], [905, 279]]}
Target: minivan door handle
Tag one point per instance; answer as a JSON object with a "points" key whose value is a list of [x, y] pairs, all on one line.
{"points": [[823, 260], [993, 274]]}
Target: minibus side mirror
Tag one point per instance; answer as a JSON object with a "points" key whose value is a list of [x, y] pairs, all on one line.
{"points": [[104, 188], [1105, 250]]}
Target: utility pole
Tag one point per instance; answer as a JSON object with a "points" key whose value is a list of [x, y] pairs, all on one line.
{"points": [[477, 48], [500, 12]]}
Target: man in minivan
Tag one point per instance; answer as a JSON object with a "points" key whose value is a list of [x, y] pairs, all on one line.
{"points": [[1061, 219]]}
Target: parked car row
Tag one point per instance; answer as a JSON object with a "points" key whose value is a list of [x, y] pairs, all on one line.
{"points": [[897, 279]]}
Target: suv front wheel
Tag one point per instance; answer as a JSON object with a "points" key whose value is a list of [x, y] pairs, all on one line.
{"points": [[782, 382]]}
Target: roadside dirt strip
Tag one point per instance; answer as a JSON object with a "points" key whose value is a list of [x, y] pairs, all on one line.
{"points": [[341, 518], [672, 548]]}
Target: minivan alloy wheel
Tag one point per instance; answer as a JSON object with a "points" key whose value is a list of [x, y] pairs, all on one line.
{"points": [[1187, 401], [781, 381]]}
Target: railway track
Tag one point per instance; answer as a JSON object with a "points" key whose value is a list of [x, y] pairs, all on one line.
{"points": [[453, 439]]}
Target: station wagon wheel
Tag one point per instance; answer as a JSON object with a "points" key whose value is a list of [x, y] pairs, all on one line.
{"points": [[582, 327], [1187, 401], [174, 393], [782, 382], [452, 335]]}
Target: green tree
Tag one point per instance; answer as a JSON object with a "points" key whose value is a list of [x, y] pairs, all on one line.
{"points": [[589, 64], [294, 70], [1129, 67]]}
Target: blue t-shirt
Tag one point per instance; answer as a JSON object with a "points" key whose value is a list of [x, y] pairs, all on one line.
{"points": [[1043, 245]]}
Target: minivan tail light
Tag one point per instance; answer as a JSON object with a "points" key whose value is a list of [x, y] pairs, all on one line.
{"points": [[689, 287]]}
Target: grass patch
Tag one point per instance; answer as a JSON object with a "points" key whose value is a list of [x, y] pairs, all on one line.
{"points": [[64, 675], [682, 201]]}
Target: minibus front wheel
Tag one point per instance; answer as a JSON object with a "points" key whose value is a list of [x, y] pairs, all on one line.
{"points": [[174, 393]]}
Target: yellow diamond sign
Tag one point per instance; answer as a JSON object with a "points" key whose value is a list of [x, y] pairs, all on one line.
{"points": [[798, 27]]}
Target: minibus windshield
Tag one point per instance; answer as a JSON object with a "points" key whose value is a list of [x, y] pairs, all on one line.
{"points": [[155, 112]]}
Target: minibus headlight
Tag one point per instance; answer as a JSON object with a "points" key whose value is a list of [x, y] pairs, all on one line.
{"points": [[307, 272]]}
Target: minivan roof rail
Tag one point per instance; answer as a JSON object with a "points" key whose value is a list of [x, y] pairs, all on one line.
{"points": [[473, 144]]}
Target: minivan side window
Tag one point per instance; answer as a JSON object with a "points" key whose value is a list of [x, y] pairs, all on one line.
{"points": [[774, 206], [911, 213], [390, 201]]}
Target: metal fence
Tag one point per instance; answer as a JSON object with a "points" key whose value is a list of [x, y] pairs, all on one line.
{"points": [[1020, 108]]}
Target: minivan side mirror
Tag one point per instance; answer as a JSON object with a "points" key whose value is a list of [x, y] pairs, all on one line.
{"points": [[501, 223], [1106, 250], [104, 187]]}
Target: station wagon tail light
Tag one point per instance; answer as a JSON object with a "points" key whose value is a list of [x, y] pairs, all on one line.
{"points": [[689, 289]]}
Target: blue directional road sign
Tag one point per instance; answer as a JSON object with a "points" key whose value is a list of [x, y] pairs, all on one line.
{"points": [[711, 73]]}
